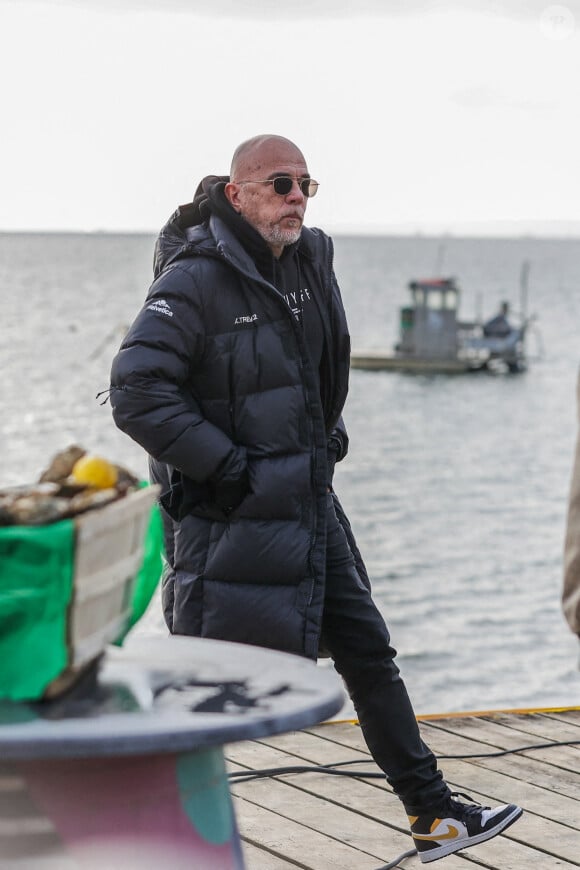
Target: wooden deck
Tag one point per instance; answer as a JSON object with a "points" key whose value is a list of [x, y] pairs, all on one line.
{"points": [[319, 822]]}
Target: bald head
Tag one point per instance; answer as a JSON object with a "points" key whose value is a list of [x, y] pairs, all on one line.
{"points": [[257, 163], [254, 153]]}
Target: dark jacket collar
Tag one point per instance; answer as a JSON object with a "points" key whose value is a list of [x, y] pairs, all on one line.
{"points": [[209, 225]]}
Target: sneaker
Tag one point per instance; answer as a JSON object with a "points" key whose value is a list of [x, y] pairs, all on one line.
{"points": [[456, 825]]}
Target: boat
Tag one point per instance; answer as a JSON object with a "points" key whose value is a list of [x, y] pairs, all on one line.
{"points": [[432, 338]]}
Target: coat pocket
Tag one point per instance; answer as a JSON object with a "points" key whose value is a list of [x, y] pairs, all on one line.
{"points": [[184, 496]]}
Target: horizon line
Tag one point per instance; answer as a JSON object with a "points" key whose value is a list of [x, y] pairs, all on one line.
{"points": [[541, 233]]}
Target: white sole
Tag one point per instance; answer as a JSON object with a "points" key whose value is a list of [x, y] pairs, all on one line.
{"points": [[466, 842]]}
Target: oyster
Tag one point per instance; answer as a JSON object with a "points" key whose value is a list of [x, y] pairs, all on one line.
{"points": [[32, 506], [61, 465], [57, 495]]}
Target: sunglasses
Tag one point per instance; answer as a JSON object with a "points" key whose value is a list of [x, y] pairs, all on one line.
{"points": [[283, 184]]}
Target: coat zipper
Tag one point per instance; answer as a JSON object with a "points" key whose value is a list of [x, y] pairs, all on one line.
{"points": [[231, 402], [298, 332]]}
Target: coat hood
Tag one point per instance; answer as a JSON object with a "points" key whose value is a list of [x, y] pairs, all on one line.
{"points": [[174, 241], [188, 232]]}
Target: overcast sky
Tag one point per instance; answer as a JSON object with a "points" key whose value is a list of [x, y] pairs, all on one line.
{"points": [[413, 116]]}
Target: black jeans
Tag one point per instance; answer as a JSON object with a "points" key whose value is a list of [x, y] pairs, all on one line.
{"points": [[355, 635]]}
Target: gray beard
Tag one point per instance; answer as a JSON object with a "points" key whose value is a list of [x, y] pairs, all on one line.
{"points": [[277, 236]]}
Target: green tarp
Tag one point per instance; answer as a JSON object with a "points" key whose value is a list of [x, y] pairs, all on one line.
{"points": [[36, 577], [36, 568]]}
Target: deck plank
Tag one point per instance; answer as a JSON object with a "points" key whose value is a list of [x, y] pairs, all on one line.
{"points": [[316, 821], [311, 808], [259, 859], [444, 741], [523, 769], [359, 795], [383, 806], [570, 716], [511, 778], [304, 844], [542, 726], [497, 735]]}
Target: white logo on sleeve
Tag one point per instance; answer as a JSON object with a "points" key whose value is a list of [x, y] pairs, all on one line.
{"points": [[245, 318], [160, 306]]}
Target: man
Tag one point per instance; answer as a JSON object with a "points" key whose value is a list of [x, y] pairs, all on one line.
{"points": [[499, 326], [233, 378]]}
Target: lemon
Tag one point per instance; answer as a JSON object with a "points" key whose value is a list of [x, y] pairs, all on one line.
{"points": [[94, 471]]}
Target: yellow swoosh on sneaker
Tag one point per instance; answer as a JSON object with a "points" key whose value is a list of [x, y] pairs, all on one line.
{"points": [[450, 834]]}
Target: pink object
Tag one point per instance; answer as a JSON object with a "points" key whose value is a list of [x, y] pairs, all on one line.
{"points": [[129, 812]]}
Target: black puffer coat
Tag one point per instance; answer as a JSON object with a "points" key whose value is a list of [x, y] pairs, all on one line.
{"points": [[214, 380]]}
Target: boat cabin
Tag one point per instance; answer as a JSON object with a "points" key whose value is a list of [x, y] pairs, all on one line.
{"points": [[428, 326]]}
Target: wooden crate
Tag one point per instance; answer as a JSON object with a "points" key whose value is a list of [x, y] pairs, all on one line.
{"points": [[109, 545]]}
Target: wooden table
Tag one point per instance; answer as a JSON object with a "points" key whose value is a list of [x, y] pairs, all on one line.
{"points": [[129, 772]]}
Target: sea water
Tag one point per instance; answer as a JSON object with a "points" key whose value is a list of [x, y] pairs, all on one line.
{"points": [[455, 486]]}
